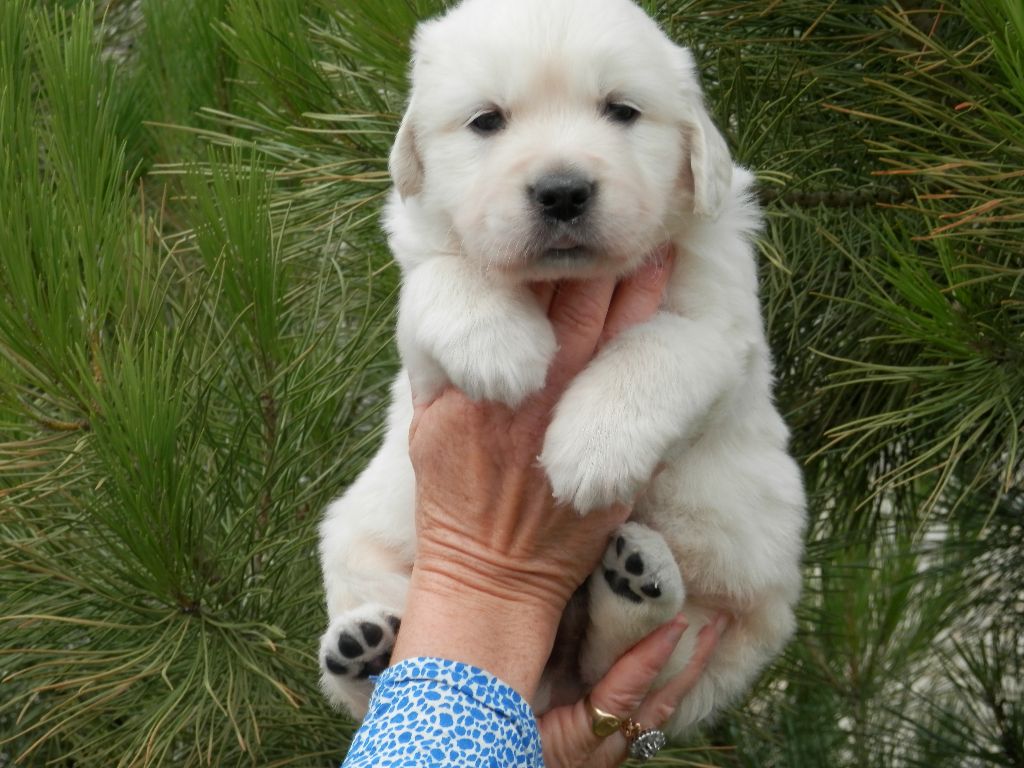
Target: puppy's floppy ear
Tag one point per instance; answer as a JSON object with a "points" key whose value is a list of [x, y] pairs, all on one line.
{"points": [[404, 162], [709, 165]]}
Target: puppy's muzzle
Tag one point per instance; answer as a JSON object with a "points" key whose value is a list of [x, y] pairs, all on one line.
{"points": [[562, 197]]}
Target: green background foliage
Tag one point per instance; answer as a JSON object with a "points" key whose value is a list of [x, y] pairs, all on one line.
{"points": [[195, 341]]}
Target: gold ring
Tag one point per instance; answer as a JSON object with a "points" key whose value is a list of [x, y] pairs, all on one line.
{"points": [[602, 723], [631, 730], [641, 743]]}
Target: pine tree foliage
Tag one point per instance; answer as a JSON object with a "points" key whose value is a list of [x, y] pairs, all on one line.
{"points": [[195, 342]]}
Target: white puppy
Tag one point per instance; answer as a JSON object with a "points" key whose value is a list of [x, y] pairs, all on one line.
{"points": [[567, 138]]}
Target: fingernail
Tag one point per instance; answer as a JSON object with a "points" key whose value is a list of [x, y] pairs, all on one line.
{"points": [[663, 256], [652, 271], [674, 630], [721, 623]]}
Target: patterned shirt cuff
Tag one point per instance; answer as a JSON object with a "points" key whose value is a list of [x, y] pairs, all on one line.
{"points": [[435, 712]]}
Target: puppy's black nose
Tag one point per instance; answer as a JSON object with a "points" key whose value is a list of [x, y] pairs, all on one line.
{"points": [[562, 196]]}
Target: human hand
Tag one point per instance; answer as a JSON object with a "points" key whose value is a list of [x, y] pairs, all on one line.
{"points": [[625, 691], [493, 549]]}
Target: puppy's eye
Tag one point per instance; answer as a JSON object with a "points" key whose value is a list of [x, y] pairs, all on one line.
{"points": [[618, 112], [487, 123]]}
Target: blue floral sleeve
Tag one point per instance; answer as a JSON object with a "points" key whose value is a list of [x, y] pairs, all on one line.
{"points": [[433, 712]]}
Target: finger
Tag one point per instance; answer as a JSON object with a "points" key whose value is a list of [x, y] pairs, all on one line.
{"points": [[422, 400], [626, 684], [448, 397], [567, 732], [578, 311], [418, 407], [607, 519], [660, 704], [639, 296], [544, 292]]}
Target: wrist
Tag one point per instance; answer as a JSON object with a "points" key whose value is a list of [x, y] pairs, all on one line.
{"points": [[467, 615]]}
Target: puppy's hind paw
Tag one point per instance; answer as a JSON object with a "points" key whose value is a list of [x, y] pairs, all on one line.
{"points": [[638, 567], [636, 587], [356, 645]]}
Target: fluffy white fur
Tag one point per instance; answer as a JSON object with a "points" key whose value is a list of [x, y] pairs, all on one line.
{"points": [[690, 389]]}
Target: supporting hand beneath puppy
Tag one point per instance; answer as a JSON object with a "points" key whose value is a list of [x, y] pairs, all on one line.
{"points": [[497, 561], [493, 549]]}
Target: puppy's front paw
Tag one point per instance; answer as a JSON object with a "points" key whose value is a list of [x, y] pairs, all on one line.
{"points": [[504, 358], [357, 644], [593, 456]]}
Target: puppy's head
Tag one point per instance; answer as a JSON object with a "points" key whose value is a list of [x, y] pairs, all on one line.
{"points": [[556, 137]]}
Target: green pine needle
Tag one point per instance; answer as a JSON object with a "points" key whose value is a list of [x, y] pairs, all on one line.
{"points": [[196, 304]]}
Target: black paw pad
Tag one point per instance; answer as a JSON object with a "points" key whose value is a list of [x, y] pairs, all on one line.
{"points": [[349, 646], [374, 666], [620, 586], [365, 648], [372, 633], [627, 571], [334, 666]]}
